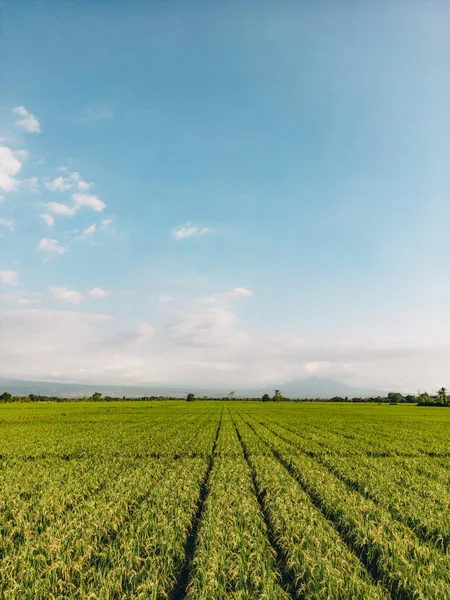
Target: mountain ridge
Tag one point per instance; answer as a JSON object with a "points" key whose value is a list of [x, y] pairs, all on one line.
{"points": [[311, 387]]}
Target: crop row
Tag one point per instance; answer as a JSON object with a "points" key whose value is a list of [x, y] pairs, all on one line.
{"points": [[425, 507], [233, 556], [396, 557], [125, 538], [315, 557]]}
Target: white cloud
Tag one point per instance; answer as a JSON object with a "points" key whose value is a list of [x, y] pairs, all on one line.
{"points": [[2, 197], [71, 180], [239, 292], [98, 293], [79, 200], [51, 246], [205, 348], [66, 295], [7, 223], [80, 183], [8, 278], [60, 184], [27, 120], [49, 220], [188, 230], [61, 209], [89, 201], [236, 292], [10, 165], [84, 185]]}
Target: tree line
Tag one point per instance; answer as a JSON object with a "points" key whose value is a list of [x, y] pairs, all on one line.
{"points": [[441, 398]]}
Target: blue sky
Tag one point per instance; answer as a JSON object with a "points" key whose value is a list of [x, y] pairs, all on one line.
{"points": [[225, 193]]}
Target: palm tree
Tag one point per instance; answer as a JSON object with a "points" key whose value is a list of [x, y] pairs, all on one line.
{"points": [[442, 395]]}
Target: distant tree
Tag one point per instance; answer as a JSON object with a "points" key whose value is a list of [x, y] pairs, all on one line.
{"points": [[442, 395], [277, 396], [231, 395], [424, 398], [266, 398], [190, 398], [96, 396], [395, 397], [6, 397]]}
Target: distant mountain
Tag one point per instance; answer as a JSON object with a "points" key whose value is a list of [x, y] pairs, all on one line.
{"points": [[318, 387], [21, 387], [312, 387]]}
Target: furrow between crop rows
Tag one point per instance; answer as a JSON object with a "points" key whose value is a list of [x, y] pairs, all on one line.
{"points": [[287, 577], [179, 589]]}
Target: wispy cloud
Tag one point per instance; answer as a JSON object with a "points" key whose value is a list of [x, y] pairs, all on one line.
{"points": [[10, 165], [237, 292], [188, 230], [106, 224], [48, 219], [64, 294], [21, 298], [8, 278], [163, 298], [86, 233], [58, 185], [79, 201], [7, 223], [51, 246], [27, 121], [97, 112], [57, 208], [89, 201], [71, 180], [29, 185], [98, 293]]}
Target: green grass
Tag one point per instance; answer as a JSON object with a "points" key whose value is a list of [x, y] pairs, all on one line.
{"points": [[224, 500]]}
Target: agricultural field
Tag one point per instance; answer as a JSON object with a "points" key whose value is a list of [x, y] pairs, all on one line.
{"points": [[213, 500]]}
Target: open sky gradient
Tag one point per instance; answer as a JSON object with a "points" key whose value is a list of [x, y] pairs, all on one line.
{"points": [[225, 193]]}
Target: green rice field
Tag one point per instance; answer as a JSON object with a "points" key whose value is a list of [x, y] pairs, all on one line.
{"points": [[212, 500]]}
